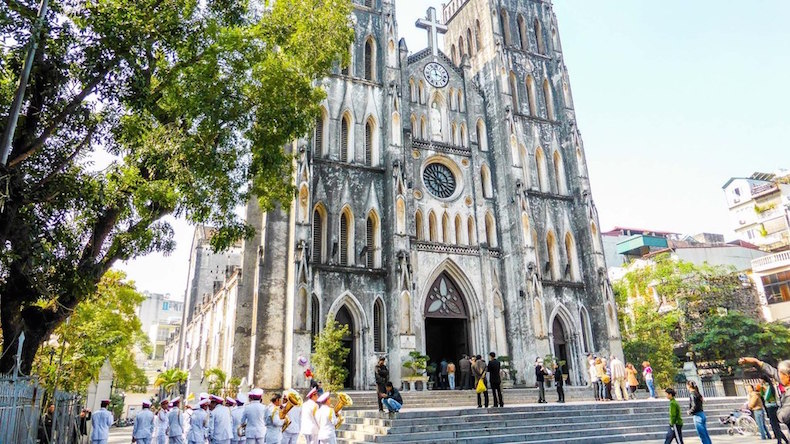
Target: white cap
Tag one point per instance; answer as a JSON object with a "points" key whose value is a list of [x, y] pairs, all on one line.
{"points": [[257, 393], [204, 402], [323, 398], [203, 396]]}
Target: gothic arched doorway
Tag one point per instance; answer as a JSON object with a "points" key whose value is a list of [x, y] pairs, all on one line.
{"points": [[561, 345], [343, 317], [446, 321]]}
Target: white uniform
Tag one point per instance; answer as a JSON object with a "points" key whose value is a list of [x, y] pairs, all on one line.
{"points": [[274, 425], [143, 429], [221, 425], [175, 426], [236, 415], [101, 421], [197, 427], [161, 427], [308, 425], [326, 418], [291, 434], [254, 414]]}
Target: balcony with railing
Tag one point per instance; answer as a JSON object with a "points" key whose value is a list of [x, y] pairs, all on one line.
{"points": [[771, 262]]}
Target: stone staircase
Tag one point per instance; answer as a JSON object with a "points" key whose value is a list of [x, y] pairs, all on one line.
{"points": [[576, 422]]}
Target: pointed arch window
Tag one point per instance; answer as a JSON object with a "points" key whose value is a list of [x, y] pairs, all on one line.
{"points": [[370, 129], [400, 215], [319, 140], [526, 232], [540, 161], [453, 54], [378, 326], [319, 234], [485, 177], [559, 174], [315, 320], [461, 48], [539, 37], [345, 138], [586, 333], [459, 230], [549, 95], [453, 103], [573, 261], [469, 42], [412, 91], [490, 231], [477, 35], [372, 240], [464, 138], [418, 225], [433, 234], [514, 92], [595, 237], [370, 59], [533, 103], [522, 153], [461, 104], [346, 69], [522, 33], [470, 228], [553, 251], [454, 133], [482, 137], [423, 128], [421, 92], [446, 230], [346, 237], [505, 26]]}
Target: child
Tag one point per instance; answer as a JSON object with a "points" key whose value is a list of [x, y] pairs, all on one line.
{"points": [[675, 431]]}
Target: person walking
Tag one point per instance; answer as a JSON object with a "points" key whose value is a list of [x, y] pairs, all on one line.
{"points": [[479, 369], [143, 430], [443, 382], [175, 423], [274, 424], [308, 423], [326, 419], [161, 422], [559, 380], [254, 418], [465, 367], [771, 407], [594, 381], [101, 421], [755, 403], [540, 379], [198, 423], [618, 379], [675, 432], [782, 374], [600, 371], [382, 376], [631, 381], [647, 374], [697, 412], [236, 415], [495, 379], [221, 422], [392, 399], [451, 375]]}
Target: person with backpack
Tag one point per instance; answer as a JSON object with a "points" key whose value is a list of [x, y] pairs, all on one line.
{"points": [[771, 402]]}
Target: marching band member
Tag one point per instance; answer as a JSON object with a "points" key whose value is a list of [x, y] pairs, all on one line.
{"points": [[291, 433], [101, 421], [273, 422], [236, 415], [254, 418], [161, 422], [308, 425], [143, 425], [175, 425], [327, 419], [198, 423], [221, 422]]}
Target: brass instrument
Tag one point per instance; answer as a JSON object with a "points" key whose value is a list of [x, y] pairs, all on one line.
{"points": [[241, 432], [293, 399], [343, 400]]}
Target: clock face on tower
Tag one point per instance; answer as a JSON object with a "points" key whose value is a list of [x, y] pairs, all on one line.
{"points": [[436, 75]]}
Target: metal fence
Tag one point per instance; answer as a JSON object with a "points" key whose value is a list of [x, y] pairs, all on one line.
{"points": [[20, 407], [66, 419]]}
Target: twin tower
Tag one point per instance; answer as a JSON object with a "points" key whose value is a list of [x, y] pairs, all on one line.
{"points": [[443, 206]]}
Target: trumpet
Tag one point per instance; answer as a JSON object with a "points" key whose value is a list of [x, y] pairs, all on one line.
{"points": [[292, 400], [241, 432], [343, 400]]}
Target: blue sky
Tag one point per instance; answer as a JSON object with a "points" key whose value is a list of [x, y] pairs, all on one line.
{"points": [[672, 97]]}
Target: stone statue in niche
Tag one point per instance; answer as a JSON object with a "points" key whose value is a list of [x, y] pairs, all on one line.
{"points": [[436, 121]]}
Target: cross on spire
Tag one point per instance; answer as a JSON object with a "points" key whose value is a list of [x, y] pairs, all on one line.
{"points": [[434, 28]]}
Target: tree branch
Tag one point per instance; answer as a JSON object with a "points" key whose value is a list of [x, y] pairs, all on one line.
{"points": [[59, 168]]}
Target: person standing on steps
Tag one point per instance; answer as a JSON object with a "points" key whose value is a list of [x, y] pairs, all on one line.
{"points": [[443, 374], [560, 381], [696, 411], [540, 379], [479, 369], [465, 367], [647, 373], [594, 381], [618, 378], [755, 403], [630, 377], [495, 378], [675, 432], [382, 376], [451, 375]]}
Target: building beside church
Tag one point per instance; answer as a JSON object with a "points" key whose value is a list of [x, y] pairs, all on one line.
{"points": [[443, 206]]}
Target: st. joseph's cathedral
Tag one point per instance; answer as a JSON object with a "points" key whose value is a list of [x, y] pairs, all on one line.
{"points": [[443, 206]]}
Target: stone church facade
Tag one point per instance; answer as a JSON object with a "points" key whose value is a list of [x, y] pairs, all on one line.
{"points": [[443, 206]]}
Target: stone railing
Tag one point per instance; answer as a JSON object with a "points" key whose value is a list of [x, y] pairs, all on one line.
{"points": [[771, 261], [441, 146], [444, 248]]}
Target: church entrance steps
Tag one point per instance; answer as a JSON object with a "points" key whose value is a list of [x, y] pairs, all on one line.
{"points": [[578, 422]]}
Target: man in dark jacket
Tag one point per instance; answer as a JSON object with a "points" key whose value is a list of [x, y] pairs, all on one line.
{"points": [[495, 378], [465, 368], [479, 370], [392, 398], [382, 376], [780, 374], [560, 381], [540, 378]]}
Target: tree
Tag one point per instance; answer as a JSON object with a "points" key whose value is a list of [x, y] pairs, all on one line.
{"points": [[171, 380], [105, 326], [729, 337], [137, 110], [220, 384], [330, 355]]}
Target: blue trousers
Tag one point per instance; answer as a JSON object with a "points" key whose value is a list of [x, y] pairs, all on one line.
{"points": [[702, 429], [759, 417], [652, 387], [392, 405]]}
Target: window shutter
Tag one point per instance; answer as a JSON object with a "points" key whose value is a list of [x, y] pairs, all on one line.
{"points": [[344, 239], [378, 327], [317, 234], [315, 321], [370, 243], [344, 140], [369, 144], [369, 60], [319, 136]]}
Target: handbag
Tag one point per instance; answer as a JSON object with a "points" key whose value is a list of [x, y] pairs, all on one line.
{"points": [[606, 379], [481, 386]]}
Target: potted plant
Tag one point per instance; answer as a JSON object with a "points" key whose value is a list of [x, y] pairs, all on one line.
{"points": [[548, 364], [508, 372], [417, 364]]}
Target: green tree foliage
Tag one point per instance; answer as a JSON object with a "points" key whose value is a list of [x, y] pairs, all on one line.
{"points": [[105, 326], [219, 384], [170, 381], [138, 110], [726, 338], [330, 355]]}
